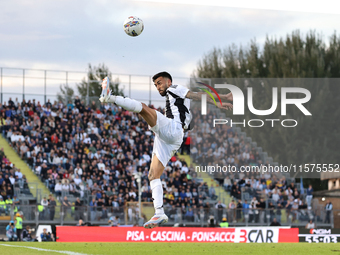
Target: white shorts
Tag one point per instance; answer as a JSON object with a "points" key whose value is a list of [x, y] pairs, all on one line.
{"points": [[168, 138]]}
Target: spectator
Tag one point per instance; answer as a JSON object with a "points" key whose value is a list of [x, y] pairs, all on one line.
{"points": [[11, 232], [275, 196], [104, 213], [27, 234], [255, 212], [212, 192], [16, 202], [18, 173], [52, 204], [246, 207], [295, 210], [3, 207], [66, 205], [227, 184], [70, 105], [296, 193], [78, 209], [329, 210], [219, 206], [275, 223], [235, 191], [44, 203], [81, 223], [188, 194], [78, 170], [114, 221], [310, 225], [77, 102], [51, 183], [18, 225], [58, 189], [46, 236], [173, 215], [224, 223], [93, 205], [189, 215], [232, 211], [8, 202], [309, 196], [239, 208], [211, 222]]}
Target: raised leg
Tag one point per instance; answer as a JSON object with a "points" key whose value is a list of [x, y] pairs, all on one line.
{"points": [[156, 170]]}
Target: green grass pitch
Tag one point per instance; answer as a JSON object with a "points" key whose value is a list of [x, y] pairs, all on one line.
{"points": [[168, 248]]}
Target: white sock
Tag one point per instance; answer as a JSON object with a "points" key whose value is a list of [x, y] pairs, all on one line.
{"points": [[129, 104], [157, 195]]}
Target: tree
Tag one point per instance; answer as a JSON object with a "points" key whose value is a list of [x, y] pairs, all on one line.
{"points": [[95, 77], [66, 92], [291, 57], [295, 56]]}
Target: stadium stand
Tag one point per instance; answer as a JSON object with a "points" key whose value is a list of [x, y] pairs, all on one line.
{"points": [[11, 181], [88, 158], [256, 197]]}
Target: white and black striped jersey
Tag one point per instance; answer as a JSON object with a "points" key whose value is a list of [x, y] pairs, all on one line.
{"points": [[177, 106]]}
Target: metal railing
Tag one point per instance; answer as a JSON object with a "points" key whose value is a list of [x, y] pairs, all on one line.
{"points": [[128, 215], [26, 192], [251, 217], [39, 84]]}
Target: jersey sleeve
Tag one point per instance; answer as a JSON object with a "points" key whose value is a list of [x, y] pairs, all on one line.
{"points": [[178, 90]]}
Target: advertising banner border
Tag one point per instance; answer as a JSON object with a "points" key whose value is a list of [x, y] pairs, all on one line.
{"points": [[170, 234]]}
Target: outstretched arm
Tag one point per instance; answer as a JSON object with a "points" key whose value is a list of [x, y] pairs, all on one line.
{"points": [[228, 97], [197, 96]]}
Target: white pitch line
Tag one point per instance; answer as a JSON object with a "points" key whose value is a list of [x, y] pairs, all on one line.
{"points": [[41, 249]]}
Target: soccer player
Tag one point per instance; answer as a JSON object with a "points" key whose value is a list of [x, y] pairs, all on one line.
{"points": [[169, 130]]}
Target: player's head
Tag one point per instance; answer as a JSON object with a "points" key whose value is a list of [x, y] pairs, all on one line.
{"points": [[162, 81]]}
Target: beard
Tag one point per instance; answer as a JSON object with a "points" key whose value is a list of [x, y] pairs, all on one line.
{"points": [[163, 94]]}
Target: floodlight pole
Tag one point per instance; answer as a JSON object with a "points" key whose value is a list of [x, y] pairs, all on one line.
{"points": [[138, 177], [88, 88], [150, 90], [1, 84], [130, 86], [45, 74], [139, 180], [23, 83]]}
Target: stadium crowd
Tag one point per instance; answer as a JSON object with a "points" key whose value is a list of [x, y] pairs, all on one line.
{"points": [[10, 178], [93, 152], [222, 146]]}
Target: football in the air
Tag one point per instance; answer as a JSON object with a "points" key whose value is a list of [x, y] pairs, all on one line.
{"points": [[133, 26]]}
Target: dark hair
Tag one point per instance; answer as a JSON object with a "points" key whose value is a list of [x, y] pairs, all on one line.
{"points": [[162, 74]]}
